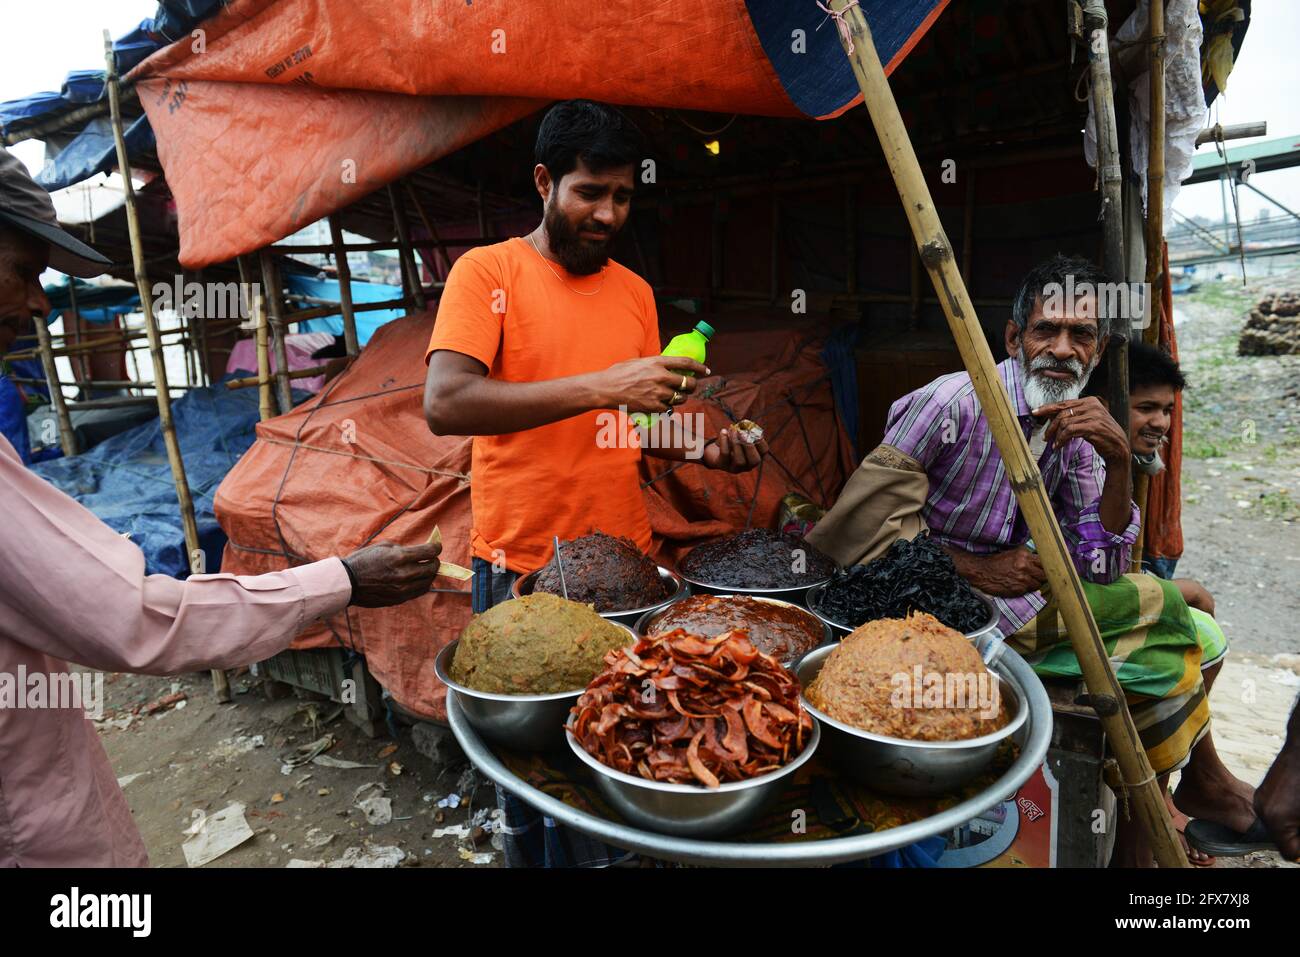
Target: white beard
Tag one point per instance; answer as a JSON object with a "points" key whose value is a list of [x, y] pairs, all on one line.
{"points": [[1040, 390]]}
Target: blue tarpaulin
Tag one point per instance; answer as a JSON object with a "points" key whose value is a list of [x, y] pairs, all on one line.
{"points": [[92, 151], [127, 482], [95, 303], [367, 322]]}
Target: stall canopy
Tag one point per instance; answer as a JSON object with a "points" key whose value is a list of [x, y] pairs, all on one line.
{"points": [[295, 109]]}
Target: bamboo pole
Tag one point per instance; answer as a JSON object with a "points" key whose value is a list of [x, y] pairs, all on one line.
{"points": [[1111, 180], [220, 683], [414, 288], [440, 249], [67, 437], [344, 272], [1155, 230], [1031, 496], [275, 320], [323, 369]]}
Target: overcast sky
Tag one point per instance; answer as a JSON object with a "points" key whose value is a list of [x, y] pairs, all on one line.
{"points": [[41, 42]]}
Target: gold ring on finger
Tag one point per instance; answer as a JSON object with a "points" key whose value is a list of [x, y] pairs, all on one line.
{"points": [[677, 397], [682, 387]]}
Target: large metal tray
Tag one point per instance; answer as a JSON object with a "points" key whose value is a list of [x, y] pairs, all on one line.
{"points": [[1033, 739]]}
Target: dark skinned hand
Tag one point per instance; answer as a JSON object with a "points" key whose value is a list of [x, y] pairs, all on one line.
{"points": [[389, 574], [1007, 574], [730, 454], [647, 384], [1086, 419]]}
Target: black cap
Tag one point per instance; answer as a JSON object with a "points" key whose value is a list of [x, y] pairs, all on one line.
{"points": [[26, 206]]}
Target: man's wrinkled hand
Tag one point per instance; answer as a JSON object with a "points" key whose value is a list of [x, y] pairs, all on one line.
{"points": [[1007, 574], [389, 574]]}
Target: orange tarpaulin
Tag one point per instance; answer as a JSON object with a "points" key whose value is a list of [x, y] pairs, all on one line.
{"points": [[357, 464], [275, 113]]}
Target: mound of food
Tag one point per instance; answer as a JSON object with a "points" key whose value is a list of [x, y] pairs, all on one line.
{"points": [[686, 709], [781, 631], [911, 576], [537, 644], [607, 572], [758, 558], [909, 678]]}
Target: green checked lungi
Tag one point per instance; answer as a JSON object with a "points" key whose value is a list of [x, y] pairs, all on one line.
{"points": [[1157, 647]]}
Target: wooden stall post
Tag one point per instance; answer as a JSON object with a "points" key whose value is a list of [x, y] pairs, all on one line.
{"points": [[275, 319], [344, 272], [67, 437], [1155, 230], [415, 289], [220, 682], [1111, 179], [937, 256]]}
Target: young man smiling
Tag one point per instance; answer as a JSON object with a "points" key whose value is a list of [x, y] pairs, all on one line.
{"points": [[536, 339]]}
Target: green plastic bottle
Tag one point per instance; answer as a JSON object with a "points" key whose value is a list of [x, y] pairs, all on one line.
{"points": [[689, 345]]}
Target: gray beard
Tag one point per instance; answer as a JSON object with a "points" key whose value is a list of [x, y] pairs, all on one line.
{"points": [[1040, 391]]}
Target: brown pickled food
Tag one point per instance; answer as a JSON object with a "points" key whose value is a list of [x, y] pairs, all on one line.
{"points": [[778, 630]]}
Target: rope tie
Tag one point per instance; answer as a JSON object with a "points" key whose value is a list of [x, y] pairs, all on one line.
{"points": [[846, 37]]}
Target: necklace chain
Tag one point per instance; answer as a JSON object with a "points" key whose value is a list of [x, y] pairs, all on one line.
{"points": [[561, 278]]}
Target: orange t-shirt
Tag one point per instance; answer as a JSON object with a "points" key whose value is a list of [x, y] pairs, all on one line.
{"points": [[504, 306]]}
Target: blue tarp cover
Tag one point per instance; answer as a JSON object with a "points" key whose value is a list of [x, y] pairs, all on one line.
{"points": [[367, 322], [127, 482]]}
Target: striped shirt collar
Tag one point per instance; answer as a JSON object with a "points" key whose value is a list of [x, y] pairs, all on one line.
{"points": [[1010, 369]]}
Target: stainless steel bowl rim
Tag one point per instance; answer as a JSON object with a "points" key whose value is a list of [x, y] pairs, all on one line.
{"points": [[816, 591], [790, 854], [681, 591], [1011, 727], [669, 787], [443, 659], [745, 590]]}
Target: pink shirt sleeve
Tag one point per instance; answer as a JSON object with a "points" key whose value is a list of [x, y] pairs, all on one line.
{"points": [[74, 589]]}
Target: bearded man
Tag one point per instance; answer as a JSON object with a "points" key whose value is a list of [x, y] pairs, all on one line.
{"points": [[939, 470]]}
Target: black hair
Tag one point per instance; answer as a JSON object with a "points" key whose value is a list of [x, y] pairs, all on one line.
{"points": [[598, 134], [1062, 272], [1148, 366]]}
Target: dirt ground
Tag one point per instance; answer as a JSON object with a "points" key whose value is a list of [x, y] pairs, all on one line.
{"points": [[204, 756], [1241, 521]]}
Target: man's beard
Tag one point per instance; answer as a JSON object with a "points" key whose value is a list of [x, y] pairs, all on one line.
{"points": [[579, 256], [1040, 390]]}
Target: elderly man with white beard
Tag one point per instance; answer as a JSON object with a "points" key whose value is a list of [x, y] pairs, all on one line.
{"points": [[939, 471]]}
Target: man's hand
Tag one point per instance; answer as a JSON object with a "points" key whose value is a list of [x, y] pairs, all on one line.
{"points": [[1086, 419], [730, 454], [389, 574], [647, 384], [1007, 574]]}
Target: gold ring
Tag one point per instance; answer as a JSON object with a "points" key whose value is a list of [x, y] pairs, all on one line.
{"points": [[682, 387], [677, 397], [1071, 411]]}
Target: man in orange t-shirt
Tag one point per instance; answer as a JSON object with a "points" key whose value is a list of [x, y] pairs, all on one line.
{"points": [[538, 339]]}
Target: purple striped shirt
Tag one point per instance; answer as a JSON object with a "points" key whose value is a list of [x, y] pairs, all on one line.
{"points": [[971, 505]]}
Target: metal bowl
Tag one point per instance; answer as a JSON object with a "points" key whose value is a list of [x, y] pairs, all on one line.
{"points": [[649, 621], [814, 598], [521, 722], [692, 810], [795, 595], [679, 590], [912, 768]]}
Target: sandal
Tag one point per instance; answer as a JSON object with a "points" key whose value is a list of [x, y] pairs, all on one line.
{"points": [[1181, 823], [1214, 838]]}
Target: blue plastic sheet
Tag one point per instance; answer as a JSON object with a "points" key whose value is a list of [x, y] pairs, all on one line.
{"points": [[367, 322], [127, 482], [94, 151]]}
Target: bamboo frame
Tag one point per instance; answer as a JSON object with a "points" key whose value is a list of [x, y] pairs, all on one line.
{"points": [[275, 321], [220, 682], [410, 272], [936, 254], [344, 273], [1111, 182], [1155, 229], [67, 437]]}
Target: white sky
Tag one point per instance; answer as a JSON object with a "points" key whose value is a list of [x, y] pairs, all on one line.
{"points": [[41, 42]]}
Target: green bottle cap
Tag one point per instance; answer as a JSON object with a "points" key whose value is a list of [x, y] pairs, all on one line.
{"points": [[704, 329]]}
